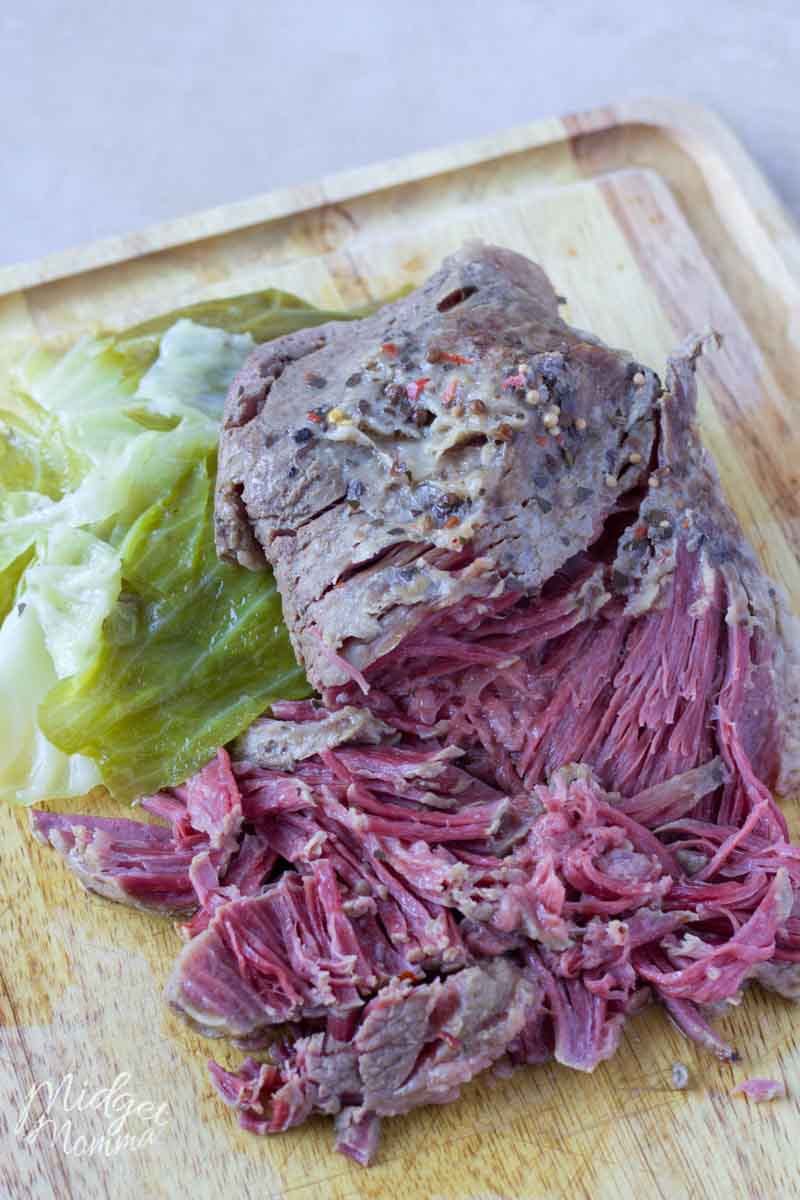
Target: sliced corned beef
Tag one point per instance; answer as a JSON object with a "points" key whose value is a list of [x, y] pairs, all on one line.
{"points": [[413, 1045], [428, 470], [294, 953], [123, 860], [151, 866], [308, 730]]}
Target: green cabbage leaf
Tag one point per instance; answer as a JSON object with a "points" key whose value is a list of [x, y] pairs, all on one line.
{"points": [[128, 652]]}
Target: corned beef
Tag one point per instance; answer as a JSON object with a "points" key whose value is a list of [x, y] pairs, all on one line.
{"points": [[557, 693]]}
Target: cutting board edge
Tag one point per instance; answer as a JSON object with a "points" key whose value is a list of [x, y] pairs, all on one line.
{"points": [[698, 130]]}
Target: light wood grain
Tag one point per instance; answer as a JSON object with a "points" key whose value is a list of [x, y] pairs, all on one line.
{"points": [[653, 222]]}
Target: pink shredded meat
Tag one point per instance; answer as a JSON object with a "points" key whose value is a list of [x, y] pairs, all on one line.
{"points": [[123, 860], [592, 906], [761, 1090], [411, 1045]]}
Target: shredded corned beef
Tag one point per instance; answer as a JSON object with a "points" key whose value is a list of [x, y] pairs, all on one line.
{"points": [[148, 866], [761, 1090], [355, 877], [412, 1045], [374, 897], [527, 686]]}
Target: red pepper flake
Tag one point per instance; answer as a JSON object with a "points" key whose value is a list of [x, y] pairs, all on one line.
{"points": [[640, 533], [451, 522], [685, 523], [515, 381], [542, 441], [414, 390], [389, 349], [454, 358], [314, 417], [449, 393]]}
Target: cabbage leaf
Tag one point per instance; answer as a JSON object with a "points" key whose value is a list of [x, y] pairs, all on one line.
{"points": [[31, 767], [262, 315], [194, 651], [128, 652]]}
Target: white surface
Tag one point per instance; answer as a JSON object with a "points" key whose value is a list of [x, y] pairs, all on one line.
{"points": [[119, 113]]}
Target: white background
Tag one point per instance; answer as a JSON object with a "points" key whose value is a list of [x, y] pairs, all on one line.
{"points": [[118, 113]]}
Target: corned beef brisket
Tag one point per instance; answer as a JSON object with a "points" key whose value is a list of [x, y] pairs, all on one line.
{"points": [[556, 693]]}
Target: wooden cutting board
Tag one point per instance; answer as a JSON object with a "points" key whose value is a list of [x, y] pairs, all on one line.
{"points": [[653, 222]]}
